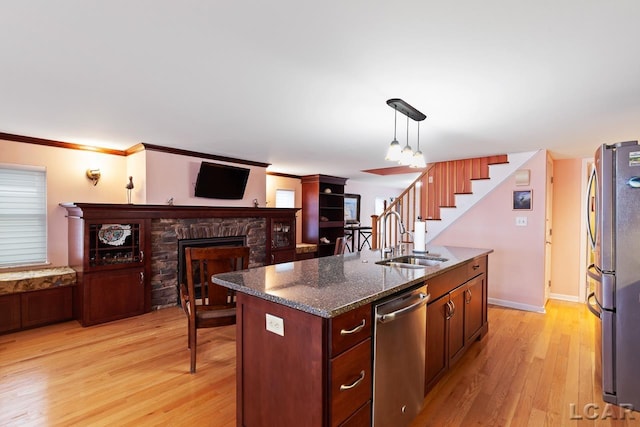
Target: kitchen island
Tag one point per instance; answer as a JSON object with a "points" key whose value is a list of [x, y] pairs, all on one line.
{"points": [[304, 331]]}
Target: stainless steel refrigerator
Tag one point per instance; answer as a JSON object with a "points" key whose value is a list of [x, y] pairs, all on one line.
{"points": [[614, 231]]}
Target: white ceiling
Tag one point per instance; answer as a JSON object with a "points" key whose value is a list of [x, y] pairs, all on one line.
{"points": [[303, 84]]}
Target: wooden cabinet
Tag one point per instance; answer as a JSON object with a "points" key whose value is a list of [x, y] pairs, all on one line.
{"points": [[35, 308], [316, 373], [281, 246], [110, 256], [456, 318], [111, 296], [9, 313], [322, 211]]}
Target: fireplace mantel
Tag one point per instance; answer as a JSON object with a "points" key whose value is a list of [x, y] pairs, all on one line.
{"points": [[102, 210]]}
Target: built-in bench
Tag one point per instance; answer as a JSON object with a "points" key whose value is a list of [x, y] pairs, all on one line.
{"points": [[36, 297]]}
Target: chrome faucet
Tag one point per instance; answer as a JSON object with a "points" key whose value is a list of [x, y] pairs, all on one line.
{"points": [[383, 231]]}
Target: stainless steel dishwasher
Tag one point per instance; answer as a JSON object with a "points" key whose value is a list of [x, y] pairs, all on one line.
{"points": [[399, 358]]}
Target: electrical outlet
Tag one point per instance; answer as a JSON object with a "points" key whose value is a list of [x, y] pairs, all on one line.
{"points": [[521, 221], [275, 324]]}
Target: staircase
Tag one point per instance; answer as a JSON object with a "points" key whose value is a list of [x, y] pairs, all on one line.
{"points": [[445, 191]]}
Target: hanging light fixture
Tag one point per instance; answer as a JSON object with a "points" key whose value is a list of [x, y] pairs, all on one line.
{"points": [[406, 156], [393, 153], [407, 153], [418, 158]]}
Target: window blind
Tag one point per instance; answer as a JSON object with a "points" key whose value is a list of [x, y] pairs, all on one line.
{"points": [[23, 215]]}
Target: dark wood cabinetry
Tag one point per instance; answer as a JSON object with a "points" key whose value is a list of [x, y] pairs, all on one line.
{"points": [[456, 317], [35, 308], [322, 211], [281, 247], [318, 373], [110, 256]]}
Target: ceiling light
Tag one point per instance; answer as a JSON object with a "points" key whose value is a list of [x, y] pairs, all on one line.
{"points": [[417, 161], [393, 153], [407, 152], [406, 156]]}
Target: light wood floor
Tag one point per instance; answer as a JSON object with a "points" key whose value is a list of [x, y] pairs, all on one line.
{"points": [[530, 370]]}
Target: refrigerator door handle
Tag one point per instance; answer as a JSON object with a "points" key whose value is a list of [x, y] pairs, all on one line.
{"points": [[589, 206], [591, 306], [592, 272]]}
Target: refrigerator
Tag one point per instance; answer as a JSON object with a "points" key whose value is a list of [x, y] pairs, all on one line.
{"points": [[613, 219]]}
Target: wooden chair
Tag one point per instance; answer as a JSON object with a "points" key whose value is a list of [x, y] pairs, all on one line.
{"points": [[341, 244], [208, 305]]}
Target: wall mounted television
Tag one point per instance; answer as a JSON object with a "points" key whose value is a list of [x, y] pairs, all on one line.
{"points": [[216, 181]]}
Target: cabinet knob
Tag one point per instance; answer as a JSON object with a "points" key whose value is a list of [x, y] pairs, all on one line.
{"points": [[141, 256], [468, 298], [142, 277]]}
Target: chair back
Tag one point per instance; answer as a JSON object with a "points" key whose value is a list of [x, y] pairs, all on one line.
{"points": [[202, 263]]}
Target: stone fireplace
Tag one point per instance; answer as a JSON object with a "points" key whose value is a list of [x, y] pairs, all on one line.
{"points": [[170, 236]]}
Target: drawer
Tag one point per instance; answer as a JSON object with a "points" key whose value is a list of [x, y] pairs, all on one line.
{"points": [[362, 418], [476, 267], [351, 382], [349, 329], [444, 283]]}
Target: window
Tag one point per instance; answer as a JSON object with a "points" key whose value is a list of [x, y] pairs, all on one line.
{"points": [[285, 198], [23, 215]]}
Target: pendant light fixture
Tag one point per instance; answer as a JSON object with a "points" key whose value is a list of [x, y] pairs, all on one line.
{"points": [[406, 156], [418, 158], [393, 153], [407, 153]]}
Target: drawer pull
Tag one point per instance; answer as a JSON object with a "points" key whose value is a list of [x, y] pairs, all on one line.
{"points": [[354, 330], [344, 387], [476, 266]]}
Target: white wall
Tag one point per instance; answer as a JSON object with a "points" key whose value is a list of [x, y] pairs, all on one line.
{"points": [[368, 194], [171, 175]]}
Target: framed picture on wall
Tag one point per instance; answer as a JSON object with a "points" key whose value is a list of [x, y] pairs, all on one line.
{"points": [[351, 208], [522, 200]]}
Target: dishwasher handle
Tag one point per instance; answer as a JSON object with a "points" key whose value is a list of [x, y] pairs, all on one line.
{"points": [[389, 317]]}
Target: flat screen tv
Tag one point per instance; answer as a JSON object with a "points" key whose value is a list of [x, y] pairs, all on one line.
{"points": [[216, 181]]}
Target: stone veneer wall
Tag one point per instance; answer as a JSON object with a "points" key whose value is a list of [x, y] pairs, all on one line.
{"points": [[165, 234]]}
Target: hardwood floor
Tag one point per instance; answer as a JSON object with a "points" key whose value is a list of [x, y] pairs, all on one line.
{"points": [[530, 370]]}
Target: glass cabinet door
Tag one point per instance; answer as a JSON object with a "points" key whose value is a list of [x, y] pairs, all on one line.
{"points": [[282, 233], [114, 244]]}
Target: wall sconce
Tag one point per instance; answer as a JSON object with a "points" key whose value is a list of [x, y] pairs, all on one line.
{"points": [[93, 175]]}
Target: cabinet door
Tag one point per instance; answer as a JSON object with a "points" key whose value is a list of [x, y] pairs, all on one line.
{"points": [[47, 306], [113, 295], [473, 313], [456, 323], [436, 351], [114, 245], [9, 312]]}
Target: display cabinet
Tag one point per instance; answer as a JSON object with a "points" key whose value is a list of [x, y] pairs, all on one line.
{"points": [[109, 256], [282, 245], [322, 211]]}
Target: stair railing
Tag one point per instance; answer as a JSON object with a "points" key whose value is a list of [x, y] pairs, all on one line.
{"points": [[408, 204]]}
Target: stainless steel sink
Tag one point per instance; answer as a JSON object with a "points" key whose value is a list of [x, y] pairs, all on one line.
{"points": [[413, 261]]}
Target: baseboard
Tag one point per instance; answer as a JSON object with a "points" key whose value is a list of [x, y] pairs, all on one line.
{"points": [[516, 305], [562, 297]]}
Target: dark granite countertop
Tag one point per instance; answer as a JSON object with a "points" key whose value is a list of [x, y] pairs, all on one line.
{"points": [[333, 285]]}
